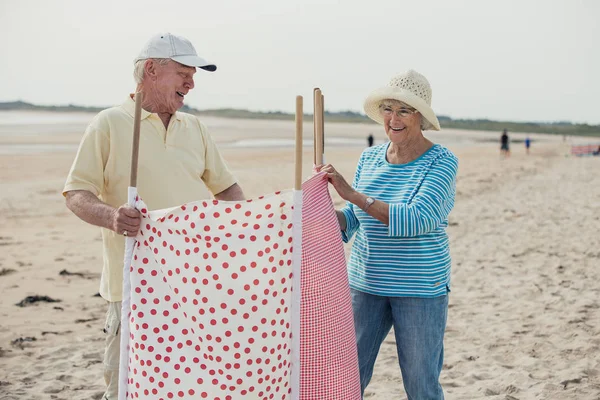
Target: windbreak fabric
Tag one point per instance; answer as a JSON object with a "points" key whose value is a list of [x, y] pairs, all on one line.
{"points": [[210, 301], [328, 359], [213, 311]]}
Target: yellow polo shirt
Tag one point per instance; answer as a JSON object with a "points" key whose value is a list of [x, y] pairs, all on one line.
{"points": [[176, 165]]}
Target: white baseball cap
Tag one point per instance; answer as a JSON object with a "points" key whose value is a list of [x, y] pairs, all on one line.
{"points": [[177, 48]]}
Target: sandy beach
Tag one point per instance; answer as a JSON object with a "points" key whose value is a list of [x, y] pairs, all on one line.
{"points": [[524, 319]]}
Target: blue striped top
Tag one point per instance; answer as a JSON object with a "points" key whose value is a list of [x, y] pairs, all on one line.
{"points": [[411, 256]]}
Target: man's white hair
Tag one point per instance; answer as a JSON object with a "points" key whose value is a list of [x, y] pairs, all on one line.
{"points": [[138, 69]]}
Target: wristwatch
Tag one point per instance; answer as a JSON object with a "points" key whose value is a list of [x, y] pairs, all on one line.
{"points": [[368, 202]]}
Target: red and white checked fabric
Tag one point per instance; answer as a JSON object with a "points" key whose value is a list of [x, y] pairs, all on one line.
{"points": [[585, 149], [328, 358], [210, 301]]}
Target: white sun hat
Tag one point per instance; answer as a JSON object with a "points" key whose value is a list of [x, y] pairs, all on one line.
{"points": [[411, 88], [177, 48]]}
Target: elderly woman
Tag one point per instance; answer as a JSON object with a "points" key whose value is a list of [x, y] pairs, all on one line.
{"points": [[398, 206]]}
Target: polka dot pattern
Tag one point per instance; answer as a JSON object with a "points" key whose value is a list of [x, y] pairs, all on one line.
{"points": [[210, 301]]}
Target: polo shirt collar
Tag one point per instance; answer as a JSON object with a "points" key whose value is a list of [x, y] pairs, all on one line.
{"points": [[129, 106]]}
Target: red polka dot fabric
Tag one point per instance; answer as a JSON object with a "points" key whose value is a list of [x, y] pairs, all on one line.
{"points": [[210, 301]]}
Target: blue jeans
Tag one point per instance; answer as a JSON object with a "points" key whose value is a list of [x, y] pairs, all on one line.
{"points": [[419, 325]]}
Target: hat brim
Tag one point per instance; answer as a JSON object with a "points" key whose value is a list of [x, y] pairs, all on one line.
{"points": [[195, 61], [374, 100]]}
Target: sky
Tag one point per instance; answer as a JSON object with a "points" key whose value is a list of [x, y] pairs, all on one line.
{"points": [[517, 60]]}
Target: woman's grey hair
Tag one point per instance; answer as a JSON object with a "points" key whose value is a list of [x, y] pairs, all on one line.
{"points": [[393, 102], [138, 68]]}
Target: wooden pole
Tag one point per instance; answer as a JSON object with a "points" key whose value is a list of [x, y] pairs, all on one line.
{"points": [[315, 112], [129, 244], [318, 127], [322, 127], [299, 116], [135, 149]]}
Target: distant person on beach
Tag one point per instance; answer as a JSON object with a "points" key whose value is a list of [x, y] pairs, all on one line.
{"points": [[597, 152], [370, 140], [504, 144], [398, 206], [178, 159], [527, 144]]}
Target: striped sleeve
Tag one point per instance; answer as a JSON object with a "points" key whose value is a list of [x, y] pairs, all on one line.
{"points": [[352, 223], [430, 206]]}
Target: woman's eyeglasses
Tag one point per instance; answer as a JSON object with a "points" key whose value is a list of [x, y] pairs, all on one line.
{"points": [[400, 112]]}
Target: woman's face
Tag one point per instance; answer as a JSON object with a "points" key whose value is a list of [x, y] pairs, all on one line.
{"points": [[399, 120]]}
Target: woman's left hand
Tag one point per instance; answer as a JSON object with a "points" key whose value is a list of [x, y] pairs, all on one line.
{"points": [[337, 181]]}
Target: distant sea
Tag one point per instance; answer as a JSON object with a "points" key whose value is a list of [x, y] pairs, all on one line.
{"points": [[32, 132], [19, 117]]}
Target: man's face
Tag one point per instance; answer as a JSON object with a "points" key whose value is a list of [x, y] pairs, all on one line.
{"points": [[173, 81]]}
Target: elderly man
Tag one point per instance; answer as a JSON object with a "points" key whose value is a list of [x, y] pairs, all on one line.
{"points": [[177, 161]]}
